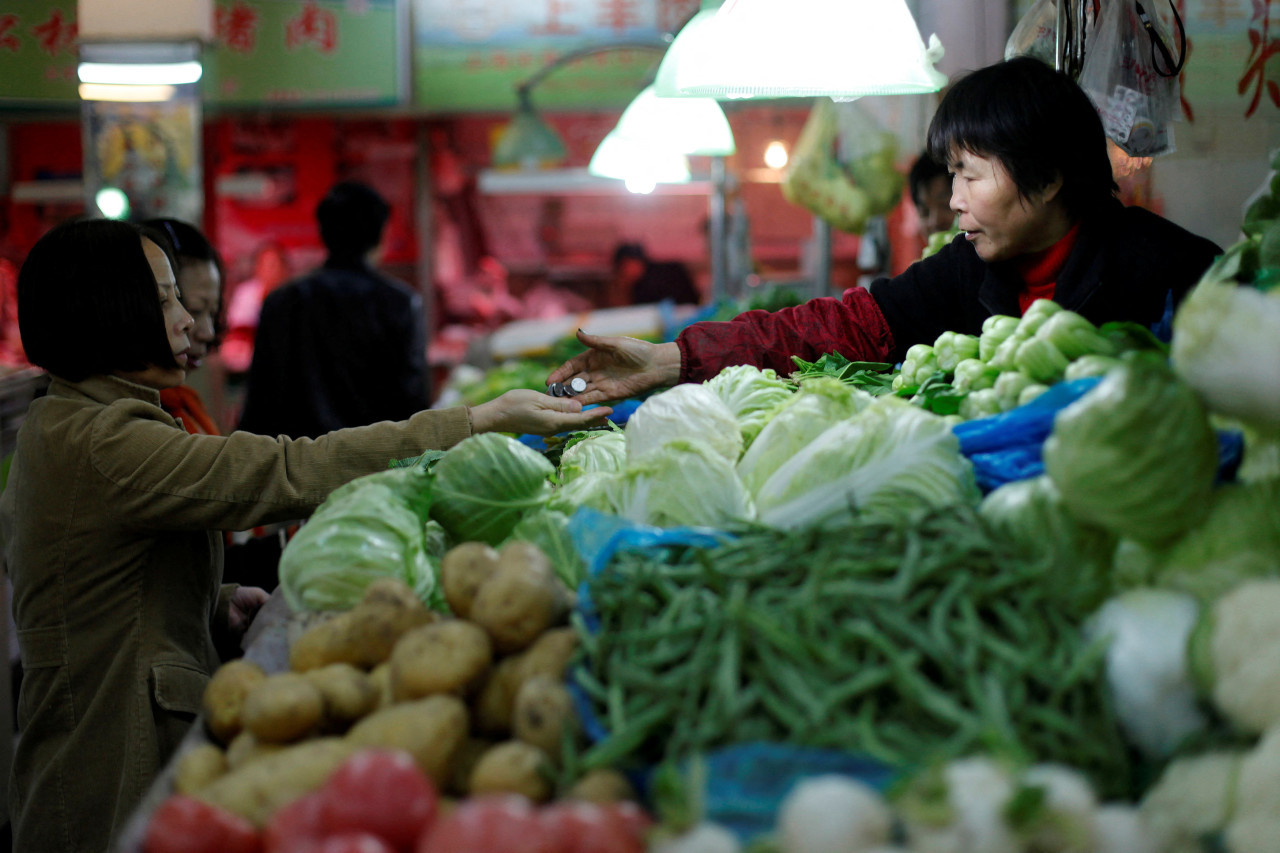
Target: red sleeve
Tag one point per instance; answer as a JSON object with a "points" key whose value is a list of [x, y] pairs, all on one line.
{"points": [[852, 326]]}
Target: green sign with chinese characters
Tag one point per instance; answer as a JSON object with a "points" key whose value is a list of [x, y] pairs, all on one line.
{"points": [[305, 52], [38, 52]]}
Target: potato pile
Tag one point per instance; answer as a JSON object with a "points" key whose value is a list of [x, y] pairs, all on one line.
{"points": [[478, 699]]}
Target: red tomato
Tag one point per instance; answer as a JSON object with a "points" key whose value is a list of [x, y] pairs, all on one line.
{"points": [[583, 827], [380, 792], [635, 817], [490, 824], [186, 825], [354, 842], [296, 827]]}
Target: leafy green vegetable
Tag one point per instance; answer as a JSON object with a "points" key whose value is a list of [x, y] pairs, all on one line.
{"points": [[549, 530], [1074, 336], [366, 533], [919, 363], [1239, 539], [1039, 359], [870, 376], [820, 402], [1089, 365], [951, 348], [1136, 454], [684, 412], [598, 450], [892, 459], [752, 395], [1224, 344], [1030, 514], [996, 329], [973, 374], [412, 485], [687, 482], [485, 484]]}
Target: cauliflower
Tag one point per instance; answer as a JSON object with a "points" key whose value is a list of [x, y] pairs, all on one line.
{"points": [[961, 809], [1192, 799], [1237, 652], [1256, 823], [1063, 815], [833, 814], [1147, 668], [1121, 829]]}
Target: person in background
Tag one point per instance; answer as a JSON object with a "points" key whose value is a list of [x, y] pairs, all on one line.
{"points": [[270, 270], [200, 275], [344, 345], [1036, 205], [110, 522], [930, 186], [641, 280]]}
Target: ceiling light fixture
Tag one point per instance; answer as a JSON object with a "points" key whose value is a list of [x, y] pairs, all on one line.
{"points": [[842, 49]]}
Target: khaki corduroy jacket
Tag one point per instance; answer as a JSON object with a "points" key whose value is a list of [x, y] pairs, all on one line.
{"points": [[108, 525]]}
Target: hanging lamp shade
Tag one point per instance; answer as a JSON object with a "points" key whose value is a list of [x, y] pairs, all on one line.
{"points": [[528, 142], [627, 160], [842, 49], [694, 126], [686, 46]]}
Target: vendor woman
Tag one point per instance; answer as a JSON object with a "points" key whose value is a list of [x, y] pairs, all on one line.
{"points": [[1036, 204], [109, 526]]}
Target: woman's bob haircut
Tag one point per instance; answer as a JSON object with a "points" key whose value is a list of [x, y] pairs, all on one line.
{"points": [[1037, 122], [88, 303]]}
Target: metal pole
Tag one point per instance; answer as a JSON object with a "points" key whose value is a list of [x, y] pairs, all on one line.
{"points": [[822, 256], [716, 237], [425, 228]]}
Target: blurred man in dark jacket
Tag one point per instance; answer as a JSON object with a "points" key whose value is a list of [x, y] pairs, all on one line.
{"points": [[344, 345]]}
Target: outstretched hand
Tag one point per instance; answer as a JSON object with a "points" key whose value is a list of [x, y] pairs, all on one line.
{"points": [[526, 411], [617, 367]]}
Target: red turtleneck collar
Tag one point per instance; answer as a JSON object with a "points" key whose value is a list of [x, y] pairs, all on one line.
{"points": [[1039, 271]]}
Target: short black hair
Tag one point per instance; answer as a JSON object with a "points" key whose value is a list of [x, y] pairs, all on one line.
{"points": [[185, 243], [351, 218], [923, 172], [1037, 122], [88, 304], [633, 251]]}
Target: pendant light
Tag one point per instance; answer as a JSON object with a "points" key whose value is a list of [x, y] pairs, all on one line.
{"points": [[693, 126], [640, 166], [841, 49], [527, 142]]}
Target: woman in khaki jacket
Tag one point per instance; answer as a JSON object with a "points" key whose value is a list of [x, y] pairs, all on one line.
{"points": [[110, 522]]}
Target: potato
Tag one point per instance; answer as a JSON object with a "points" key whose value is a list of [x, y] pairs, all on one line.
{"points": [[432, 730], [496, 701], [197, 767], [451, 656], [550, 654], [380, 679], [364, 635], [348, 694], [512, 767], [463, 763], [519, 601], [544, 715], [283, 708], [463, 570], [257, 789], [602, 785], [246, 748], [225, 694]]}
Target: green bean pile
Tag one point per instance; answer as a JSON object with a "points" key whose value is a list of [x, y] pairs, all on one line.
{"points": [[910, 643]]}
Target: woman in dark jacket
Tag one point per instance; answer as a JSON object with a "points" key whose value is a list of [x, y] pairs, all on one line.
{"points": [[1035, 200]]}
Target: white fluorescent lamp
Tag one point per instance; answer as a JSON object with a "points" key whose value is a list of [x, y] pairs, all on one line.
{"points": [[141, 73], [688, 43], [842, 49], [694, 126], [637, 164], [126, 93]]}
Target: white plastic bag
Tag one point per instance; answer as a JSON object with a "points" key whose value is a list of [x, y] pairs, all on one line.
{"points": [[1131, 78], [1036, 34]]}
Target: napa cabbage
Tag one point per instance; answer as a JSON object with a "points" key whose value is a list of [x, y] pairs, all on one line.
{"points": [[689, 411], [752, 395], [598, 450]]}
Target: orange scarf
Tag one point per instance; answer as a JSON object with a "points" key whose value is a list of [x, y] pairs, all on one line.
{"points": [[185, 404]]}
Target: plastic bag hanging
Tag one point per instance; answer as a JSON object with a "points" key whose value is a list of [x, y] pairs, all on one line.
{"points": [[1131, 76], [1036, 34]]}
